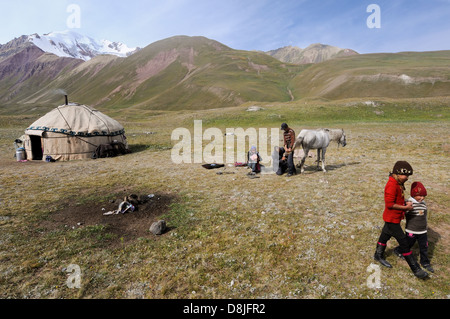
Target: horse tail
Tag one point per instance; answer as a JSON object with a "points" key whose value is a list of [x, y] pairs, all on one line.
{"points": [[298, 142]]}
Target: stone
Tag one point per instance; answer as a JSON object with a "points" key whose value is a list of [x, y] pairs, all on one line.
{"points": [[158, 228]]}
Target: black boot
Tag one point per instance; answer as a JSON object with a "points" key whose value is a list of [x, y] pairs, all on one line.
{"points": [[428, 267], [398, 253], [379, 256], [418, 272]]}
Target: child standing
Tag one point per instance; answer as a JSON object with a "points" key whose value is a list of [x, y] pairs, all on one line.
{"points": [[417, 223], [395, 208]]}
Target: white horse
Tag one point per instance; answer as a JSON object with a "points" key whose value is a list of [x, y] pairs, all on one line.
{"points": [[311, 140]]}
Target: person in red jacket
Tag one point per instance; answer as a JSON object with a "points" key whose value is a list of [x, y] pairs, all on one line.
{"points": [[394, 213]]}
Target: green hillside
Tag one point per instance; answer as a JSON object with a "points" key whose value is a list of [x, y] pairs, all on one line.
{"points": [[172, 74], [27, 79], [195, 73], [399, 75]]}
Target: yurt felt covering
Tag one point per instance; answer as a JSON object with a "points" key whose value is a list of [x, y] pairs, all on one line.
{"points": [[71, 132]]}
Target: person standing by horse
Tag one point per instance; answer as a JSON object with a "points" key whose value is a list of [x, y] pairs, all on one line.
{"points": [[289, 142], [394, 212]]}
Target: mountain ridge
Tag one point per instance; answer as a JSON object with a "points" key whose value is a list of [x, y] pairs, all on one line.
{"points": [[189, 73], [70, 44], [173, 73], [314, 53]]}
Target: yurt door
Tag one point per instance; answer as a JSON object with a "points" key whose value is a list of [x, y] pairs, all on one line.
{"points": [[36, 148]]}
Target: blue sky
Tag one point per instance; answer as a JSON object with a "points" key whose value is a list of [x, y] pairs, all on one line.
{"points": [[406, 25]]}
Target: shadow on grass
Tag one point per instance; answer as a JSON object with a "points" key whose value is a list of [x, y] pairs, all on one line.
{"points": [[433, 239], [311, 169], [335, 167]]}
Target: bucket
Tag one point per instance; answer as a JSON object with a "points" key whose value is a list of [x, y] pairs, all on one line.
{"points": [[20, 154]]}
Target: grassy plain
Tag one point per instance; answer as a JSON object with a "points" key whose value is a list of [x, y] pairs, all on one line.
{"points": [[310, 236]]}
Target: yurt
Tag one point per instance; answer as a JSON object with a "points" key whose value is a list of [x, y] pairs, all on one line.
{"points": [[73, 131]]}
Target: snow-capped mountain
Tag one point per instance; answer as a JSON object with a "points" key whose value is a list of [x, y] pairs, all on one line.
{"points": [[74, 45]]}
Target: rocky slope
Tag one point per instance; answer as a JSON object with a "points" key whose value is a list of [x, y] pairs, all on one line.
{"points": [[314, 53]]}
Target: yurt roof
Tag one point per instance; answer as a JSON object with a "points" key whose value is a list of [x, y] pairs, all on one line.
{"points": [[76, 119]]}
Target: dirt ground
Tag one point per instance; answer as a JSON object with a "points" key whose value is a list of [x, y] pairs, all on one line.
{"points": [[125, 227]]}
